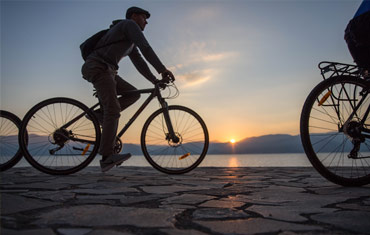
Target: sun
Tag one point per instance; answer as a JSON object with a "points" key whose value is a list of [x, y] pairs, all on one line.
{"points": [[232, 141]]}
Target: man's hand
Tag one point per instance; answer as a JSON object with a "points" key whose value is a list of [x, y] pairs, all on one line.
{"points": [[161, 84], [167, 75]]}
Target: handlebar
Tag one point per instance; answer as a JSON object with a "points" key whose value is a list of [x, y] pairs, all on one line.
{"points": [[164, 82], [168, 82], [168, 79]]}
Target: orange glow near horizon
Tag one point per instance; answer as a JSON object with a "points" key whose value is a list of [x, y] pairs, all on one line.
{"points": [[233, 141]]}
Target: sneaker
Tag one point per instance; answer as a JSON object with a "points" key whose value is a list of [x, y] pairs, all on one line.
{"points": [[98, 115], [113, 160]]}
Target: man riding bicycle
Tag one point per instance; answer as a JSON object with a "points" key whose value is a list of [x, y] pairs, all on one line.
{"points": [[124, 38], [357, 35]]}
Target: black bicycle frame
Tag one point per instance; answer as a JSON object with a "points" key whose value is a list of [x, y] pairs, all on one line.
{"points": [[154, 92], [355, 109]]}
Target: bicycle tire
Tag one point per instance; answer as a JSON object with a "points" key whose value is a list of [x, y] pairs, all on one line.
{"points": [[43, 123], [324, 140], [10, 152], [183, 156]]}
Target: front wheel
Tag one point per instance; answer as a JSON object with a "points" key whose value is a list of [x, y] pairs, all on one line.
{"points": [[334, 137], [190, 147]]}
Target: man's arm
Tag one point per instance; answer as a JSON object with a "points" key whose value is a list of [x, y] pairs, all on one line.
{"points": [[137, 37], [141, 65]]}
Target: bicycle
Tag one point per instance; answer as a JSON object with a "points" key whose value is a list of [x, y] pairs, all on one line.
{"points": [[10, 152], [64, 134], [335, 126]]}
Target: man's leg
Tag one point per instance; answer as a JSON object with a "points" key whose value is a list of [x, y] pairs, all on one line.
{"points": [[125, 100], [106, 88]]}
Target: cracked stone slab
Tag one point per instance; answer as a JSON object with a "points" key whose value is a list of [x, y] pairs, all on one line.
{"points": [[182, 232], [171, 189], [100, 197], [74, 231], [187, 199], [350, 192], [367, 201], [72, 179], [39, 185], [109, 185], [253, 226], [109, 232], [105, 191], [207, 184], [177, 206], [50, 195], [293, 197], [13, 204], [137, 199], [354, 206], [219, 213], [288, 213], [27, 232], [222, 204], [282, 201], [104, 215], [357, 221]]}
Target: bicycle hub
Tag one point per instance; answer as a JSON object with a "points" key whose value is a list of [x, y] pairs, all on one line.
{"points": [[61, 136]]}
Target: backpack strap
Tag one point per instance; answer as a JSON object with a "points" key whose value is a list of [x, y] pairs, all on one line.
{"points": [[111, 43]]}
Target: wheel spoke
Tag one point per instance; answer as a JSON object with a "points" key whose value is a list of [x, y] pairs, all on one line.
{"points": [[329, 130], [10, 153], [167, 156], [56, 150]]}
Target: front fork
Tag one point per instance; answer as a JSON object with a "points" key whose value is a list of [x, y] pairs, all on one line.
{"points": [[171, 135]]}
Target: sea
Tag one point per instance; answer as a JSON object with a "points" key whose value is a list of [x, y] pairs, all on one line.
{"points": [[229, 160]]}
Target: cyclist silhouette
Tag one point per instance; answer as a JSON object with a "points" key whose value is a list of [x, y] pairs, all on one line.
{"points": [[124, 38], [357, 35]]}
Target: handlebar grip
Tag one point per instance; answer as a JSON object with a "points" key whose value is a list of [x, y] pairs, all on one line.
{"points": [[168, 79]]}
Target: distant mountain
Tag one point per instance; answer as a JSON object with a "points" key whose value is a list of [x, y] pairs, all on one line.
{"points": [[279, 143]]}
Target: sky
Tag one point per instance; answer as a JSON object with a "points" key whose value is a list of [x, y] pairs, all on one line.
{"points": [[245, 66]]}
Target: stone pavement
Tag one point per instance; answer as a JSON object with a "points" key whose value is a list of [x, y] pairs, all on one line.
{"points": [[140, 200]]}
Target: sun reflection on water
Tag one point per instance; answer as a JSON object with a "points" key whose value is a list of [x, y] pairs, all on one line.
{"points": [[233, 162]]}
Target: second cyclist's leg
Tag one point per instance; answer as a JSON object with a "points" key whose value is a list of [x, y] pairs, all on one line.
{"points": [[357, 36]]}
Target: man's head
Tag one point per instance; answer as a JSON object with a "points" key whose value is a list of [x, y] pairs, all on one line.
{"points": [[138, 15]]}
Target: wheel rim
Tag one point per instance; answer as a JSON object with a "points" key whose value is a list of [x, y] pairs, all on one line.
{"points": [[332, 138], [180, 156], [54, 149], [9, 146]]}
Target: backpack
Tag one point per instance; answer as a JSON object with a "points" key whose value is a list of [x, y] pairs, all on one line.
{"points": [[88, 46]]}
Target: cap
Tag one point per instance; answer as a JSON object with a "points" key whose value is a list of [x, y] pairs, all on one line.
{"points": [[136, 10]]}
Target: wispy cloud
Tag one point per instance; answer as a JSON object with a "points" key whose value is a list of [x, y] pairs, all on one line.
{"points": [[196, 77], [200, 63]]}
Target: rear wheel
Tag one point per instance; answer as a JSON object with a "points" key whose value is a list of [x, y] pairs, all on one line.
{"points": [[336, 144], [175, 157], [64, 136]]}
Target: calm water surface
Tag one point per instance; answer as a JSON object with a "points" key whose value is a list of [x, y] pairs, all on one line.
{"points": [[231, 160]]}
